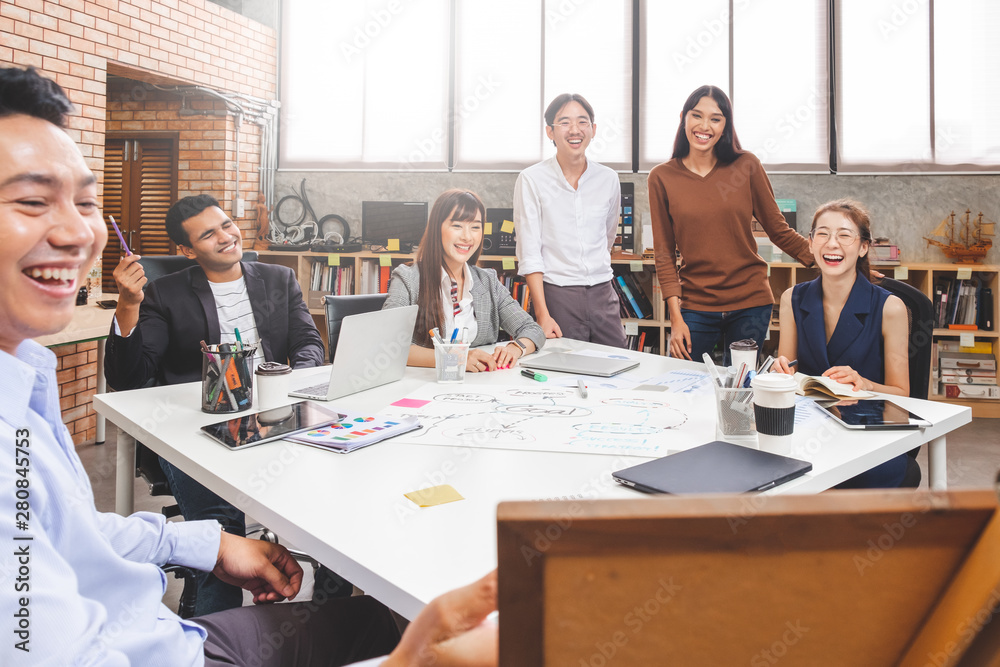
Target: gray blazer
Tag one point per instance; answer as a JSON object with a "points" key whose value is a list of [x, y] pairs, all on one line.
{"points": [[493, 305]]}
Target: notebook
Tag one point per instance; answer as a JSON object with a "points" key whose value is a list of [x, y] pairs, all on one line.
{"points": [[356, 431], [371, 351], [715, 467], [581, 364]]}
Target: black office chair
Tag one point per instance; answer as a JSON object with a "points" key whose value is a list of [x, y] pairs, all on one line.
{"points": [[920, 321], [339, 306], [157, 266]]}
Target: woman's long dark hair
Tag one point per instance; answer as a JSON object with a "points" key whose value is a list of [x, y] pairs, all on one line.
{"points": [[727, 148], [460, 205], [858, 214]]}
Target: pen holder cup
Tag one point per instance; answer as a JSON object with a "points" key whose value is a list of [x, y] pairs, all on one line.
{"points": [[450, 360], [227, 381], [735, 416]]}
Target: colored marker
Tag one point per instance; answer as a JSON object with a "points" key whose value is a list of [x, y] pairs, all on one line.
{"points": [[454, 335], [239, 341], [119, 233], [791, 364], [533, 375], [582, 387]]}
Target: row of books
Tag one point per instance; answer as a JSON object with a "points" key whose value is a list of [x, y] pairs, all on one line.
{"points": [[640, 343], [518, 288], [331, 279], [374, 278], [968, 371], [632, 300], [963, 304]]}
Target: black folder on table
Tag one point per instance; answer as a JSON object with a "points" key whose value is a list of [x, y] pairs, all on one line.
{"points": [[715, 467]]}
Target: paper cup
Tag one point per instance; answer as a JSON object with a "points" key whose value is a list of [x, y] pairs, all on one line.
{"points": [[744, 352], [774, 411], [272, 384]]}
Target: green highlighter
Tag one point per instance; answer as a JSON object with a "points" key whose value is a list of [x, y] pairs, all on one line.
{"points": [[533, 375]]}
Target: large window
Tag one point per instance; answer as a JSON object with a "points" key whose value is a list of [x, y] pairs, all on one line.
{"points": [[768, 55], [463, 84]]}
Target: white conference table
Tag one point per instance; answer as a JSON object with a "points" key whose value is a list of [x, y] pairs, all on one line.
{"points": [[349, 512], [90, 322]]}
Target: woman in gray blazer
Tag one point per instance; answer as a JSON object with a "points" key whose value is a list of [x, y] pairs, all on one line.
{"points": [[455, 294]]}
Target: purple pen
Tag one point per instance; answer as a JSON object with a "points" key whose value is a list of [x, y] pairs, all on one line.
{"points": [[119, 233]]}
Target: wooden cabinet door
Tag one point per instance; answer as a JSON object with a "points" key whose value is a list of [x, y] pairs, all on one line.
{"points": [[140, 184]]}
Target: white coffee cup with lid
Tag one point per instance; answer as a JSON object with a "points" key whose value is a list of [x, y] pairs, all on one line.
{"points": [[272, 384], [774, 411]]}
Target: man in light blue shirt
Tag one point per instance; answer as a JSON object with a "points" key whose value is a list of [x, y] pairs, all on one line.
{"points": [[80, 587]]}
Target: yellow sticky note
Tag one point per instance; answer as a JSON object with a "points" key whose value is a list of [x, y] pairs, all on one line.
{"points": [[631, 329], [488, 228], [901, 273], [384, 260], [508, 264], [635, 266], [435, 495], [966, 339], [392, 245], [507, 227], [964, 274], [333, 259]]}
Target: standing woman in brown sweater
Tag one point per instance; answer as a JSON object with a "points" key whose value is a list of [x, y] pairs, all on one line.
{"points": [[702, 202]]}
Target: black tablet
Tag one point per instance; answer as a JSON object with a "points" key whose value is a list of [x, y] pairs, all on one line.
{"points": [[872, 414], [259, 427]]}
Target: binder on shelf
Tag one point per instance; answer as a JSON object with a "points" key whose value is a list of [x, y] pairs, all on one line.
{"points": [[628, 295], [626, 218]]}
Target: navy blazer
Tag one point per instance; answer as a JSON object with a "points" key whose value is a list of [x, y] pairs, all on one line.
{"points": [[179, 310], [857, 339]]}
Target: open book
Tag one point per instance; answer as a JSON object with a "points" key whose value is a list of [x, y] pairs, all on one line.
{"points": [[817, 385]]}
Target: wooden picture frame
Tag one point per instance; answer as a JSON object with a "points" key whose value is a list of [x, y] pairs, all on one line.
{"points": [[853, 578]]}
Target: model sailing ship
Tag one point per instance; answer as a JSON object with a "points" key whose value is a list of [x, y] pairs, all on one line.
{"points": [[969, 243]]}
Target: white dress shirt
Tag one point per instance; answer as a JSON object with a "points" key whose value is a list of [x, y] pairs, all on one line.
{"points": [[91, 580], [466, 316], [563, 233]]}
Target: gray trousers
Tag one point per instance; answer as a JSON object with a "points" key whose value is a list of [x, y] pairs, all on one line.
{"points": [[339, 631], [586, 313]]}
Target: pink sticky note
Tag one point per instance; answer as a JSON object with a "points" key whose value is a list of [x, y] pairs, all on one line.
{"points": [[411, 403]]}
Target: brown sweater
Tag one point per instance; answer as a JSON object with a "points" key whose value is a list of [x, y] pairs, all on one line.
{"points": [[708, 219]]}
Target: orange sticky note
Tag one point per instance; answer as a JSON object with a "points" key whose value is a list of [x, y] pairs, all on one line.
{"points": [[333, 259], [507, 227], [384, 260], [435, 495], [392, 245]]}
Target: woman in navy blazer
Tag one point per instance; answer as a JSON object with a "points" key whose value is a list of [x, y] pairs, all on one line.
{"points": [[842, 326]]}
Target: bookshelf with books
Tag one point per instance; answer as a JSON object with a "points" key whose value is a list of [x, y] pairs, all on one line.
{"points": [[974, 329]]}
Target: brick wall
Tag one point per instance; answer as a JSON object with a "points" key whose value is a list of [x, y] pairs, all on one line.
{"points": [[170, 42]]}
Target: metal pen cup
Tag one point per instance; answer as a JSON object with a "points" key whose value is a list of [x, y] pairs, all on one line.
{"points": [[226, 380]]}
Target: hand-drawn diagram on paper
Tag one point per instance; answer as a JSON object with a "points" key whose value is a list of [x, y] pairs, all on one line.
{"points": [[558, 419]]}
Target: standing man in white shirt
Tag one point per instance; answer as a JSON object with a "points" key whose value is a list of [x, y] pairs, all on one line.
{"points": [[566, 213]]}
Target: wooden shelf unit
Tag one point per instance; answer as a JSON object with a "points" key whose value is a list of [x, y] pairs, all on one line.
{"points": [[782, 275]]}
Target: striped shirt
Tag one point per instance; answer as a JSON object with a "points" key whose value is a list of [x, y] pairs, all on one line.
{"points": [[235, 312]]}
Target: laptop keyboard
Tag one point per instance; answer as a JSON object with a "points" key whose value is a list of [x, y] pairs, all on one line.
{"points": [[318, 390]]}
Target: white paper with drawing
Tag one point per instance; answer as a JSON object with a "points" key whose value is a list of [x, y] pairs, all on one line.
{"points": [[557, 419]]}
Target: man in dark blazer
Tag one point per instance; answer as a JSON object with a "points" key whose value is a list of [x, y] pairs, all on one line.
{"points": [[156, 336]]}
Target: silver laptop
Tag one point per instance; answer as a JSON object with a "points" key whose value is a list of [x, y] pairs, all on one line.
{"points": [[582, 364], [371, 351]]}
